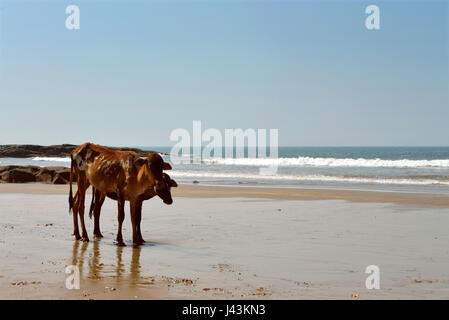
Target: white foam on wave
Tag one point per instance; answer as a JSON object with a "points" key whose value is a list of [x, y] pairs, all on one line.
{"points": [[310, 162], [331, 162], [318, 178], [306, 161], [53, 159]]}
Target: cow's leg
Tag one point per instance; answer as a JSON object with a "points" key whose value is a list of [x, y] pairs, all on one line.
{"points": [[133, 207], [82, 188], [138, 219], [121, 217], [99, 199], [76, 231]]}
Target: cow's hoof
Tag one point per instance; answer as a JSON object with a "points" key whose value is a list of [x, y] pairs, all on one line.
{"points": [[77, 236], [139, 242], [98, 235], [120, 243], [85, 239]]}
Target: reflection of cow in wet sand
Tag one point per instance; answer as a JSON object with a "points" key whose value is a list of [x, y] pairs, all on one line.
{"points": [[95, 269], [121, 175]]}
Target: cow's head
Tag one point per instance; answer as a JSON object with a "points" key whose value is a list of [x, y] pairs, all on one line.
{"points": [[163, 190], [162, 181]]}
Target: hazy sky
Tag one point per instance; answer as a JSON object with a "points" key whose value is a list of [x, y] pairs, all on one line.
{"points": [[136, 70]]}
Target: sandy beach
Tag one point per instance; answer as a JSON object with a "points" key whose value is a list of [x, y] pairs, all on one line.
{"points": [[230, 242]]}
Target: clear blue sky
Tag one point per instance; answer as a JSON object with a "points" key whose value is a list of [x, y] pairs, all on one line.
{"points": [[136, 70]]}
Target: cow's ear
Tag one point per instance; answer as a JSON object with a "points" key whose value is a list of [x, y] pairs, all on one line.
{"points": [[166, 166], [140, 162], [173, 183]]}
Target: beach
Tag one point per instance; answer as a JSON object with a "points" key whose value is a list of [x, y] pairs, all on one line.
{"points": [[289, 150], [230, 242]]}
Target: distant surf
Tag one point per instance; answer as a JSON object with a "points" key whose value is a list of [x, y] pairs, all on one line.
{"points": [[385, 167], [316, 178], [333, 162], [51, 159], [309, 162]]}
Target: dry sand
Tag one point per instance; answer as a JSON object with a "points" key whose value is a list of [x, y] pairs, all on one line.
{"points": [[227, 242]]}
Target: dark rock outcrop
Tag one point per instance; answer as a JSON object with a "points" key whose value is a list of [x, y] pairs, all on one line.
{"points": [[52, 175], [63, 150], [18, 176], [24, 174], [28, 150]]}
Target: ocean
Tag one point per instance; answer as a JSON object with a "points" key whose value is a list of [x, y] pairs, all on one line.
{"points": [[423, 169]]}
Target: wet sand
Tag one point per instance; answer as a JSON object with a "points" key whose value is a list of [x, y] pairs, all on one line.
{"points": [[423, 200], [224, 242]]}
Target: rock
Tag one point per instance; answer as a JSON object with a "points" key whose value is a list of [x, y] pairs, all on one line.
{"points": [[58, 179], [195, 181], [64, 174], [45, 175], [62, 150], [27, 150], [7, 168], [23, 174], [18, 176]]}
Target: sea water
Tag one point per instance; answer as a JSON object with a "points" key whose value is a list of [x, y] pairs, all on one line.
{"points": [[424, 169]]}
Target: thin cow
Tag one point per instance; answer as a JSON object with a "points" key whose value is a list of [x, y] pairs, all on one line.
{"points": [[121, 172], [99, 197]]}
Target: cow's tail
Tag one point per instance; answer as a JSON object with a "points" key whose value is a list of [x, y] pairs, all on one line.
{"points": [[92, 203], [71, 181]]}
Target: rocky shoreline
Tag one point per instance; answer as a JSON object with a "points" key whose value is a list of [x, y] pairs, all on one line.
{"points": [[49, 175], [61, 150], [26, 174]]}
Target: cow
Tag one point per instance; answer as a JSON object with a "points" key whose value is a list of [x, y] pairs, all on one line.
{"points": [[122, 173], [99, 197]]}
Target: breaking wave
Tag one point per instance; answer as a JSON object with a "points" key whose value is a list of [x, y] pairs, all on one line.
{"points": [[53, 159], [318, 178], [331, 162]]}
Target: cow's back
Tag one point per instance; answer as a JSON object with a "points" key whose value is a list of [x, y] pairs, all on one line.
{"points": [[106, 169]]}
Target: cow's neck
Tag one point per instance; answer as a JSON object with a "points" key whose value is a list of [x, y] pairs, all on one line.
{"points": [[145, 178]]}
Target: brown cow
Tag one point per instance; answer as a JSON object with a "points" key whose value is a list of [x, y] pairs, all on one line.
{"points": [[121, 172], [99, 197]]}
